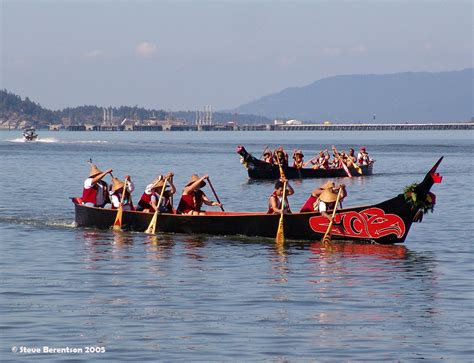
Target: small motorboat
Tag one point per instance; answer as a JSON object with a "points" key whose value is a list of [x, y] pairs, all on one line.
{"points": [[30, 134]]}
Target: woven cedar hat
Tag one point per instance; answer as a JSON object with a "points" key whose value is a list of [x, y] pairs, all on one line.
{"points": [[157, 182], [299, 152], [117, 184], [329, 185], [195, 177], [94, 171], [267, 151], [328, 196]]}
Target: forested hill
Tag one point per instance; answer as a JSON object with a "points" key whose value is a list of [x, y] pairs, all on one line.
{"points": [[18, 112], [398, 97]]}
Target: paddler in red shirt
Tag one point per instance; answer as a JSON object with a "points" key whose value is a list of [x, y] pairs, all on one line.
{"points": [[298, 159], [95, 192], [193, 197], [275, 200]]}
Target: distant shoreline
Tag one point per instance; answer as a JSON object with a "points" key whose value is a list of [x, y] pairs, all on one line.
{"points": [[266, 127]]}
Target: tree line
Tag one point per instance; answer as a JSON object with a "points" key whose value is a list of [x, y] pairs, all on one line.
{"points": [[15, 109]]}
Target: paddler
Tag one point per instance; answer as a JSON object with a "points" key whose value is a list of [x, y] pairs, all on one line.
{"points": [[317, 204], [150, 197], [193, 197], [327, 200], [275, 200], [298, 159], [321, 161], [363, 157], [280, 157], [117, 190], [96, 192], [267, 155]]}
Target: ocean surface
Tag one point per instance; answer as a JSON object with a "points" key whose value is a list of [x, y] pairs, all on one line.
{"points": [[91, 295]]}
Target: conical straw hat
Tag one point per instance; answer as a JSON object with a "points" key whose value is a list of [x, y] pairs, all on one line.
{"points": [[94, 171], [328, 196], [195, 177], [328, 185], [117, 184]]}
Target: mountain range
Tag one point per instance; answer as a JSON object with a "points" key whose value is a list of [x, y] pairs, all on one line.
{"points": [[370, 98]]}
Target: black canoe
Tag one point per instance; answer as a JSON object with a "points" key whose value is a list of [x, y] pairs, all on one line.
{"points": [[385, 223], [259, 169]]}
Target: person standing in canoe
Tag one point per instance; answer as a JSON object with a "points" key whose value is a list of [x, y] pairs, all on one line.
{"points": [[193, 197], [96, 191], [275, 200], [117, 190], [150, 197], [267, 155], [313, 203], [298, 159]]}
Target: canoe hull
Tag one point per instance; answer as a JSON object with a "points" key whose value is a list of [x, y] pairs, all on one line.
{"points": [[385, 223], [352, 224]]}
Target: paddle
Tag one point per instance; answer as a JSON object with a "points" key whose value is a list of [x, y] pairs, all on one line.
{"points": [[118, 218], [263, 152], [343, 164], [280, 235], [152, 226], [354, 165], [327, 236], [215, 194], [282, 173]]}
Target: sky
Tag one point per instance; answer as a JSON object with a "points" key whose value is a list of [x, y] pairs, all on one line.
{"points": [[184, 55]]}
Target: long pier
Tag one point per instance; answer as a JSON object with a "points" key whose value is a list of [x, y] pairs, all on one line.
{"points": [[278, 127]]}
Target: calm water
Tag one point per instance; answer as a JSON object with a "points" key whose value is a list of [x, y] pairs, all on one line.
{"points": [[202, 298]]}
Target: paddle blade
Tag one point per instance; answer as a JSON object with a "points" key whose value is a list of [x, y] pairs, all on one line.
{"points": [[327, 239], [280, 236], [152, 226], [118, 220]]}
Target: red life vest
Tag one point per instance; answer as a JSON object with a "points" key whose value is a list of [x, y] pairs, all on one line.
{"points": [[145, 201], [90, 195], [186, 203], [189, 202], [278, 203], [309, 205]]}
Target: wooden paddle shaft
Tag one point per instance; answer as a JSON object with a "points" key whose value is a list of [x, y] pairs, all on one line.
{"points": [[280, 235], [215, 194], [333, 215], [152, 226]]}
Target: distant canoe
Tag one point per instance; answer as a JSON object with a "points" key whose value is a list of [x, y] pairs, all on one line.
{"points": [[259, 169], [387, 222]]}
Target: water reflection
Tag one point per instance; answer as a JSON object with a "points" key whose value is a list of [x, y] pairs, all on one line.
{"points": [[279, 259], [193, 246], [354, 249], [159, 247]]}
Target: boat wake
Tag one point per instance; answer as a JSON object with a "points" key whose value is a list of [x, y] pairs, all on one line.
{"points": [[39, 140], [49, 140], [55, 223]]}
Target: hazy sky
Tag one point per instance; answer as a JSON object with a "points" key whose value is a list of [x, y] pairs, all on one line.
{"points": [[182, 55]]}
